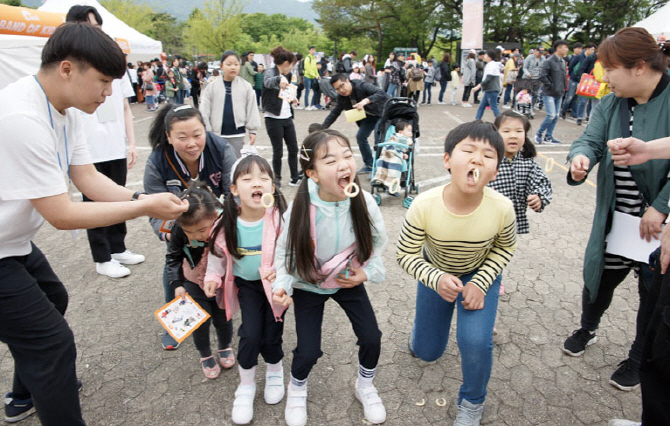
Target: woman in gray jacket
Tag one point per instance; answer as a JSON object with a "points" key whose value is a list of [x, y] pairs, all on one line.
{"points": [[469, 73]]}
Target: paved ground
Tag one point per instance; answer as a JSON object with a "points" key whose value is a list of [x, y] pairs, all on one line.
{"points": [[130, 380]]}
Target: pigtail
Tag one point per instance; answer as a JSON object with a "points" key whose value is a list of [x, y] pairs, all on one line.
{"points": [[299, 246], [360, 217]]}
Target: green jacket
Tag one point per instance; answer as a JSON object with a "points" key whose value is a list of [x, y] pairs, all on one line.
{"points": [[311, 71], [652, 121], [247, 72]]}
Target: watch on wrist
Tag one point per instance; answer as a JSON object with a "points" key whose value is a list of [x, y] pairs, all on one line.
{"points": [[136, 195]]}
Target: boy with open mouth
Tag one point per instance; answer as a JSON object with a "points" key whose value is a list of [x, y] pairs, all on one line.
{"points": [[455, 241]]}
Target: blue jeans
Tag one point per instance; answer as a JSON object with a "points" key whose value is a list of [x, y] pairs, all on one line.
{"points": [[508, 92], [552, 106], [572, 88], [309, 82], [427, 92], [443, 87], [490, 99], [581, 103], [392, 89], [366, 126], [474, 333]]}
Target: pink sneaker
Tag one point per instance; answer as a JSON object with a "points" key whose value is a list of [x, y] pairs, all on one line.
{"points": [[502, 289]]}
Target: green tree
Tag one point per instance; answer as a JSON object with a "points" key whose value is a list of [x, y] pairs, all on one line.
{"points": [[216, 28], [11, 2], [168, 30]]}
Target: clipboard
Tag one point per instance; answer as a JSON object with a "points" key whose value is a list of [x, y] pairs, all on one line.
{"points": [[624, 239], [354, 115], [181, 317]]}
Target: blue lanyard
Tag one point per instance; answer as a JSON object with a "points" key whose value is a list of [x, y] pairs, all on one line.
{"points": [[51, 118]]}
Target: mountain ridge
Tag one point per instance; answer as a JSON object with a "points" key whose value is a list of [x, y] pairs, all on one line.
{"points": [[295, 8]]}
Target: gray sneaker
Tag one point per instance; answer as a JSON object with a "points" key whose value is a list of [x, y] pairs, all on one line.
{"points": [[469, 414]]}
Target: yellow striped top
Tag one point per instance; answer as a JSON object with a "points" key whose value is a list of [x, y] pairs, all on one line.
{"points": [[483, 240]]}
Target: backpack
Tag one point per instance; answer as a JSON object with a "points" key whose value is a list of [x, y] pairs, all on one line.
{"points": [[416, 74], [438, 74], [339, 67], [301, 67]]}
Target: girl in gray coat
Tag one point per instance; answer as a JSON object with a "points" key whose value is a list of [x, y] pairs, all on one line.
{"points": [[469, 73]]}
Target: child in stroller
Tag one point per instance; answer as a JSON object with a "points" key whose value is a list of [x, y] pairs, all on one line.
{"points": [[389, 164], [523, 103]]}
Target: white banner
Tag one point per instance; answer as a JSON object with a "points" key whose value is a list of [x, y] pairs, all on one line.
{"points": [[473, 24]]}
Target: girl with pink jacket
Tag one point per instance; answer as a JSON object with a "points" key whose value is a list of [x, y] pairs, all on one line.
{"points": [[240, 265]]}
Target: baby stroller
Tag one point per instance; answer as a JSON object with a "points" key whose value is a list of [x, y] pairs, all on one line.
{"points": [[397, 109], [519, 85]]}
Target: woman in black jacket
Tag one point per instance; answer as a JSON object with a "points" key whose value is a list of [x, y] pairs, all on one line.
{"points": [[445, 75], [279, 114]]}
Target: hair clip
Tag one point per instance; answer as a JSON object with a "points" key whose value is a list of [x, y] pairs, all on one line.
{"points": [[303, 153]]}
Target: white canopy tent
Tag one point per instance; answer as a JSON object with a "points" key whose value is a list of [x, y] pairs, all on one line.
{"points": [[658, 23], [20, 55], [141, 47]]}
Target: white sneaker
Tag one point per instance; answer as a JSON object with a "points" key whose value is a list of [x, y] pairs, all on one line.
{"points": [[300, 107], [621, 422], [243, 406], [296, 407], [469, 414], [506, 107], [274, 387], [441, 103], [466, 105], [112, 269], [128, 258], [373, 408]]}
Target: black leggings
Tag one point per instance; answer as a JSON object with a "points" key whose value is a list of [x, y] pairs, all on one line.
{"points": [[308, 308], [593, 312], [259, 332], [224, 328], [466, 92]]}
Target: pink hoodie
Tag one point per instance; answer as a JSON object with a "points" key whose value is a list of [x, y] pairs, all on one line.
{"points": [[220, 270]]}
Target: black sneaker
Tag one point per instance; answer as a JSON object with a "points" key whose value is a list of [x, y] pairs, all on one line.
{"points": [[577, 343], [295, 182], [626, 377], [17, 409], [579, 121]]}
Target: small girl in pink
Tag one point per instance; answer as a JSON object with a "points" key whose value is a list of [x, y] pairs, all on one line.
{"points": [[240, 271]]}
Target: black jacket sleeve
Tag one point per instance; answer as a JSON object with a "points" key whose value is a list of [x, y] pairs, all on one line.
{"points": [[174, 257]]}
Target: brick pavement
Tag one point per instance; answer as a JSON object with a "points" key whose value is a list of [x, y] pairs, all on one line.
{"points": [[129, 380]]}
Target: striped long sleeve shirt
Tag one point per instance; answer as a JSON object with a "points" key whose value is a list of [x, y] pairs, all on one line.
{"points": [[434, 241]]}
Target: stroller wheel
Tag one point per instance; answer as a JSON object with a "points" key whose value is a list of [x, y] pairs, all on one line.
{"points": [[378, 199], [407, 202]]}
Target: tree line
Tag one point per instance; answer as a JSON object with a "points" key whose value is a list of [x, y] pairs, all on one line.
{"points": [[377, 26]]}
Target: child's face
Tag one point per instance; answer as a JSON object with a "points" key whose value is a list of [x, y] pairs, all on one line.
{"points": [[200, 230], [261, 68], [250, 187], [513, 135], [467, 156], [230, 67], [334, 169], [407, 131], [170, 74], [524, 91]]}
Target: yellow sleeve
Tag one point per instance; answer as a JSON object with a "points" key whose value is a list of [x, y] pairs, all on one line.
{"points": [[598, 72], [409, 250], [501, 253]]}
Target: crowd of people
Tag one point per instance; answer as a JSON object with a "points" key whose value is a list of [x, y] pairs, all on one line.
{"points": [[260, 258]]}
